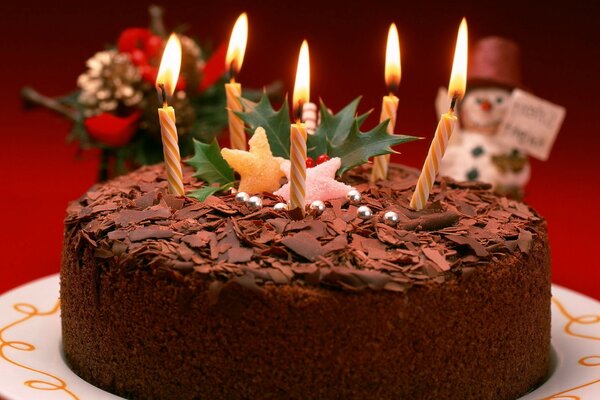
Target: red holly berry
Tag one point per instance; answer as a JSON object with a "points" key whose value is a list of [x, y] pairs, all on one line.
{"points": [[322, 158], [310, 162]]}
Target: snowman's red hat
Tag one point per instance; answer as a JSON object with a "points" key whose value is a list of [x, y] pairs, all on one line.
{"points": [[494, 61]]}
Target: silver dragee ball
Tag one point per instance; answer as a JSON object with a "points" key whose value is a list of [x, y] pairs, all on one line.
{"points": [[242, 197], [254, 203], [354, 196], [364, 212], [317, 207], [280, 207], [390, 218]]}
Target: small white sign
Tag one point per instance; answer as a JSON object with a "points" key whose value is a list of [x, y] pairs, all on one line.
{"points": [[531, 124]]}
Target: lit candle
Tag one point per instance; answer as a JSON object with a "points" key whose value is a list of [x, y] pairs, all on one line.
{"points": [[166, 80], [233, 90], [389, 106], [298, 132], [456, 90]]}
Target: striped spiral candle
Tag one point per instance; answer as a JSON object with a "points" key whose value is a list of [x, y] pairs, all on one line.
{"points": [[389, 108], [168, 132], [298, 166], [432, 162], [456, 90], [237, 136]]}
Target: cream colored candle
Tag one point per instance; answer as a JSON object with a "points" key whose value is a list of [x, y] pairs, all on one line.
{"points": [[434, 157], [168, 132], [298, 166], [389, 106], [237, 135], [456, 90], [388, 111], [166, 80], [298, 132], [233, 90]]}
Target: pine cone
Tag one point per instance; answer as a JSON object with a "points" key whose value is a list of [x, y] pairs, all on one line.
{"points": [[191, 62], [185, 114], [111, 84]]}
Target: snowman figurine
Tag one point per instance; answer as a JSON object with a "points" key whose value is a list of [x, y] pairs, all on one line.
{"points": [[474, 153]]}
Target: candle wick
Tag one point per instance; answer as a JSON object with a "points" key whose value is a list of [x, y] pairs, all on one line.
{"points": [[231, 72], [393, 87], [162, 97], [298, 112], [453, 102]]}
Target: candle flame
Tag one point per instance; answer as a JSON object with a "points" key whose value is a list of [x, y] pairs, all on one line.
{"points": [[393, 71], [237, 44], [302, 85], [168, 72], [458, 78]]}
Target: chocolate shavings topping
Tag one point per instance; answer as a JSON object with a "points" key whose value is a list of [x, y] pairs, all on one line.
{"points": [[132, 222]]}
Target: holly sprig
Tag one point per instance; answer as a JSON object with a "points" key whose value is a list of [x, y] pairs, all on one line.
{"points": [[338, 135]]}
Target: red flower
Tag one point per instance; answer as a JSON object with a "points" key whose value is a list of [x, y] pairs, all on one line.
{"points": [[214, 68], [181, 83], [112, 130], [153, 46], [143, 47], [132, 39], [149, 73], [138, 57]]}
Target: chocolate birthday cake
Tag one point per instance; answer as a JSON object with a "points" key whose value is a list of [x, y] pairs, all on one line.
{"points": [[168, 297]]}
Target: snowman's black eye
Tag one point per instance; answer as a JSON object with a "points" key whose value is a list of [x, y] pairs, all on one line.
{"points": [[479, 100], [499, 100]]}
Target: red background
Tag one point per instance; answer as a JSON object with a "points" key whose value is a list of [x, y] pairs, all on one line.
{"points": [[46, 45]]}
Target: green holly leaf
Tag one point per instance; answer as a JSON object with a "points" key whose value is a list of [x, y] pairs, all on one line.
{"points": [[275, 123], [334, 128], [316, 145], [202, 193], [361, 118], [247, 104], [359, 146], [210, 165]]}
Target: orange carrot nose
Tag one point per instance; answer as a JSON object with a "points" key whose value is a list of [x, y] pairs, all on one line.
{"points": [[486, 105]]}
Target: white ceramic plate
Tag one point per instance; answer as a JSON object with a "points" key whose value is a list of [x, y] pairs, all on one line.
{"points": [[32, 365]]}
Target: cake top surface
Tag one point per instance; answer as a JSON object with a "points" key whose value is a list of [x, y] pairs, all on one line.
{"points": [[133, 221]]}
